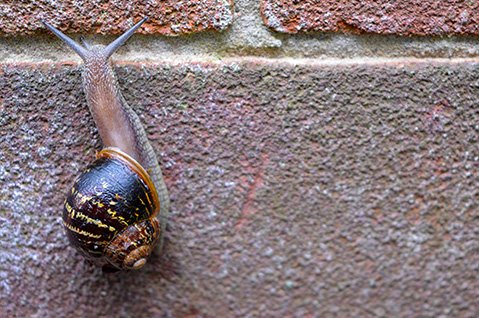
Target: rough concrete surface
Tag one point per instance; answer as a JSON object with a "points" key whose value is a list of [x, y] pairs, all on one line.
{"points": [[407, 17], [299, 190], [112, 17]]}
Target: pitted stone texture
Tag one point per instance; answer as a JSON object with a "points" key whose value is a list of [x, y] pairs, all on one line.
{"points": [[113, 17], [409, 17], [297, 190]]}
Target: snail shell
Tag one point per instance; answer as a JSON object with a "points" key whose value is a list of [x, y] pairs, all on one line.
{"points": [[110, 212]]}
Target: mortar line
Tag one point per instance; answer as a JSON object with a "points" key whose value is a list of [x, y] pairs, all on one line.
{"points": [[211, 60]]}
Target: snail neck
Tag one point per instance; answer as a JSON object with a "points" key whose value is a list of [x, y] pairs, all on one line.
{"points": [[112, 115]]}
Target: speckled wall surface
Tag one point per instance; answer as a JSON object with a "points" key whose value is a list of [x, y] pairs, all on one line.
{"points": [[297, 190], [168, 17], [406, 17]]}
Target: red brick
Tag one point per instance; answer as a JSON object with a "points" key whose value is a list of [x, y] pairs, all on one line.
{"points": [[297, 191], [409, 17], [168, 17]]}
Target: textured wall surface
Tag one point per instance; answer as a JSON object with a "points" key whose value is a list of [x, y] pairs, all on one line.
{"points": [[327, 174], [297, 189], [407, 17], [112, 17]]}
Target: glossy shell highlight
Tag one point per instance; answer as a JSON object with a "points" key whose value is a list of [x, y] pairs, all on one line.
{"points": [[111, 196]]}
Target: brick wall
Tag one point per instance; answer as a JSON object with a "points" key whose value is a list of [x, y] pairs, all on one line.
{"points": [[410, 17], [322, 158]]}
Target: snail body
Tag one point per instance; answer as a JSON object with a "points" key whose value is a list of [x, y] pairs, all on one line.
{"points": [[115, 213]]}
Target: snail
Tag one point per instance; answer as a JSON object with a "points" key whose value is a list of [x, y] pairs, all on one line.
{"points": [[115, 213]]}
